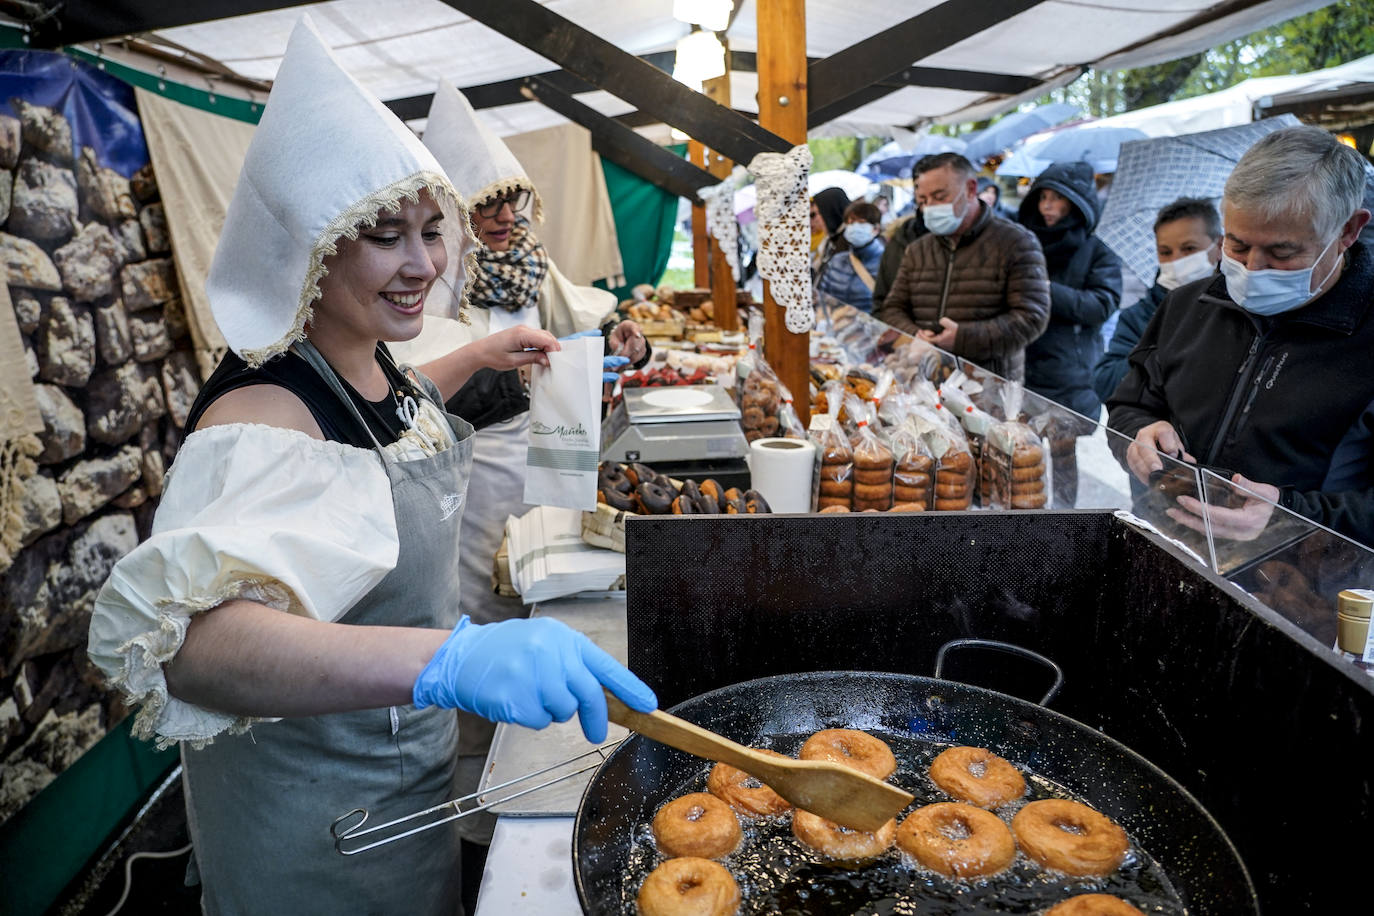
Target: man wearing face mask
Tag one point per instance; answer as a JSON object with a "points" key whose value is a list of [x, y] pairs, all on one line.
{"points": [[1264, 370], [975, 286], [1188, 245], [848, 275]]}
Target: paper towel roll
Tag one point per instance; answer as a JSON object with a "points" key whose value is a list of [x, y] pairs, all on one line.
{"points": [[781, 470]]}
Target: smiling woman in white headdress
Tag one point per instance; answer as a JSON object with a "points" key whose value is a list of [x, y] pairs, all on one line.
{"points": [[301, 577]]}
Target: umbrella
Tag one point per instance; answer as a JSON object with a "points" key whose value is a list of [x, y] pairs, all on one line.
{"points": [[1158, 171], [1097, 146], [1016, 126], [893, 160]]}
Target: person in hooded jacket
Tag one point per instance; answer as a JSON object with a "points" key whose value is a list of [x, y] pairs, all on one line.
{"points": [[827, 226], [848, 275]]}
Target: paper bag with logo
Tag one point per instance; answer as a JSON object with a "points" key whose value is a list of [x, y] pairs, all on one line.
{"points": [[565, 427]]}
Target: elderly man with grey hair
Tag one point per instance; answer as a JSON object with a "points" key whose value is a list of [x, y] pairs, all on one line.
{"points": [[1264, 369]]}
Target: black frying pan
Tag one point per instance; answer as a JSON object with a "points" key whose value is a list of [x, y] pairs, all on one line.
{"points": [[612, 849]]}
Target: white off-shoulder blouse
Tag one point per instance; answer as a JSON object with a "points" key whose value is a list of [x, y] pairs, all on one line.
{"points": [[271, 515]]}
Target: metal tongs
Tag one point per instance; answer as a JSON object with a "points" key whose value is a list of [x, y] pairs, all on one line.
{"points": [[346, 834]]}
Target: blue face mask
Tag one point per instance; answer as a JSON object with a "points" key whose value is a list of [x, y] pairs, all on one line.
{"points": [[859, 234], [1271, 291], [941, 218]]}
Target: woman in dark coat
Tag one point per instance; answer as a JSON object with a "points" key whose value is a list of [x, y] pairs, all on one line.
{"points": [[1062, 210], [827, 226]]}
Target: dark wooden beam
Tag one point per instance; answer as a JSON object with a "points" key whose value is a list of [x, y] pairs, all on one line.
{"points": [[624, 147], [879, 57], [622, 74], [87, 20], [927, 77]]}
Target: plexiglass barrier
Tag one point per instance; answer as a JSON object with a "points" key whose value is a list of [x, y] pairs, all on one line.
{"points": [[1289, 563]]}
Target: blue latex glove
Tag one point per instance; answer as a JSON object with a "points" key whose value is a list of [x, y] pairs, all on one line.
{"points": [[529, 672], [594, 332], [610, 366]]}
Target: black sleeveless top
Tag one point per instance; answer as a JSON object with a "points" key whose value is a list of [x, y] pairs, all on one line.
{"points": [[292, 372]]}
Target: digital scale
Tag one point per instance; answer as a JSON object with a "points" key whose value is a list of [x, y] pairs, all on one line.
{"points": [[687, 423]]}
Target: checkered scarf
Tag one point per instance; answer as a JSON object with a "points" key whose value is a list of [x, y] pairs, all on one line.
{"points": [[511, 279]]}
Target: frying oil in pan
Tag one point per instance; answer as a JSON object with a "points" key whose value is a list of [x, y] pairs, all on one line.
{"points": [[778, 874]]}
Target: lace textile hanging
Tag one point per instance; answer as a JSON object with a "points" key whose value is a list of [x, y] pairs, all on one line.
{"points": [[719, 200], [783, 209]]}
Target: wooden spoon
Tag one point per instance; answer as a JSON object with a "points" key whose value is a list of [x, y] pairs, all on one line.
{"points": [[830, 790]]}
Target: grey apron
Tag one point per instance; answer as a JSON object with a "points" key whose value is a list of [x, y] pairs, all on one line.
{"points": [[260, 804]]}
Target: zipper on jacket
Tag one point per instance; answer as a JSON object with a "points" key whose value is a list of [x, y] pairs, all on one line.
{"points": [[949, 274], [1245, 378]]}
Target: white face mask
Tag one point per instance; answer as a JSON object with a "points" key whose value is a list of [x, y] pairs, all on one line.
{"points": [[941, 218], [1186, 269], [1272, 291], [859, 234]]}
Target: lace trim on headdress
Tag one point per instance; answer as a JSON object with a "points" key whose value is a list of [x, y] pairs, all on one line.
{"points": [[363, 215], [719, 200], [783, 209], [507, 185]]}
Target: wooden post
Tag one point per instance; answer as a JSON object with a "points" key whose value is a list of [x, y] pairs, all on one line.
{"points": [[701, 267], [781, 27], [722, 280]]}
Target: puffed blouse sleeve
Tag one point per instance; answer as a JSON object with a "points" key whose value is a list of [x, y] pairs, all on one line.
{"points": [[275, 516]]}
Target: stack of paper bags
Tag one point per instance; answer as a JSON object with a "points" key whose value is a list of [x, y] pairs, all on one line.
{"points": [[549, 559]]}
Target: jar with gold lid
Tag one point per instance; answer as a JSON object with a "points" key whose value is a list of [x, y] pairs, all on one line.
{"points": [[1353, 610]]}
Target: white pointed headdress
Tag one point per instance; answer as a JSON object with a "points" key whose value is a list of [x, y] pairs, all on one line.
{"points": [[326, 158], [479, 162]]}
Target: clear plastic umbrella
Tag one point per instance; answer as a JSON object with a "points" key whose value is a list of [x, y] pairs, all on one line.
{"points": [[1097, 146], [1016, 126]]}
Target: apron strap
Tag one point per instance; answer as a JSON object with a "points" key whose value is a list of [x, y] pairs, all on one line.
{"points": [[317, 362]]}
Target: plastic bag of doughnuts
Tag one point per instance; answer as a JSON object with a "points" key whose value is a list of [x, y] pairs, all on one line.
{"points": [[913, 469], [760, 401], [872, 461], [835, 482], [945, 439], [1018, 459]]}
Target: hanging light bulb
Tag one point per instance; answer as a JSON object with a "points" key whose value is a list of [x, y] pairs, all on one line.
{"points": [[712, 15], [700, 57]]}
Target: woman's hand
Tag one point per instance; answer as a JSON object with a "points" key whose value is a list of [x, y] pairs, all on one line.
{"points": [[515, 348], [627, 339]]}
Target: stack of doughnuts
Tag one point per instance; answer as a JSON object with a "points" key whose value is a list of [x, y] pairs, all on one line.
{"points": [[913, 481], [872, 473], [953, 479], [1016, 461], [837, 474], [759, 404]]}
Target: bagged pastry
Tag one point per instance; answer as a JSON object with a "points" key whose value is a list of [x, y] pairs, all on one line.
{"points": [[913, 467], [760, 400], [954, 480], [565, 427], [1017, 456], [872, 460], [835, 481]]}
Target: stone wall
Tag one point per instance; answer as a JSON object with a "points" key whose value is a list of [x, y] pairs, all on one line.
{"points": [[95, 292]]}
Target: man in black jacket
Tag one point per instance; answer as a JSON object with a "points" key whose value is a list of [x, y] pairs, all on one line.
{"points": [[1264, 370]]}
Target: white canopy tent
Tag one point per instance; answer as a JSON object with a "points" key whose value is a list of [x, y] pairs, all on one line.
{"points": [[401, 49]]}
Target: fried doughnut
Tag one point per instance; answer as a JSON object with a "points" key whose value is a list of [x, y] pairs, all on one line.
{"points": [[836, 488], [1034, 472], [873, 492], [1093, 905], [864, 505], [690, 490], [735, 506], [978, 776], [852, 748], [707, 506], [682, 505], [755, 504], [840, 473], [874, 460], [621, 502], [710, 488], [952, 505], [956, 461], [911, 478], [1026, 456], [612, 477], [834, 502], [870, 476], [655, 497], [951, 490], [743, 792], [834, 508], [837, 452], [842, 843], [908, 507], [689, 886], [732, 493], [957, 840], [1028, 500], [913, 491], [1028, 488], [752, 417], [919, 464], [640, 473], [1069, 837], [945, 475], [769, 425], [697, 824]]}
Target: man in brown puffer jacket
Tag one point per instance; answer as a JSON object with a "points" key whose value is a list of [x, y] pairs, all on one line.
{"points": [[975, 286]]}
